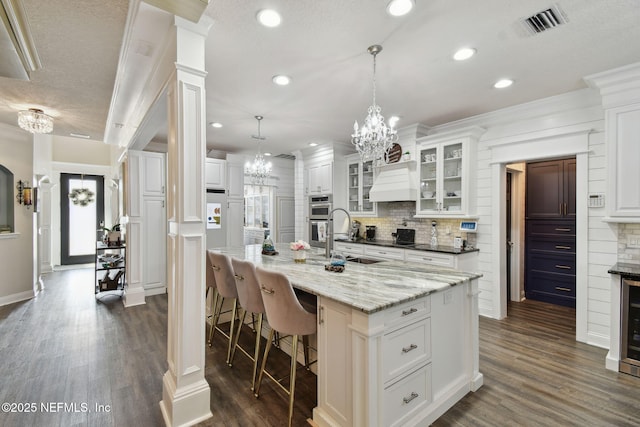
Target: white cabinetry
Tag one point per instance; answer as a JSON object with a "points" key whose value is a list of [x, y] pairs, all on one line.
{"points": [[623, 126], [235, 180], [320, 179], [154, 166], [359, 183], [447, 174], [215, 173], [380, 252], [346, 248], [154, 254], [467, 261]]}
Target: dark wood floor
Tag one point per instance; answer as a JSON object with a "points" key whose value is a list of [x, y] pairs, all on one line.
{"points": [[63, 346]]}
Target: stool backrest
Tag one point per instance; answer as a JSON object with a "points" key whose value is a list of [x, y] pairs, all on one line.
{"points": [[211, 278], [223, 273], [247, 286], [283, 309]]}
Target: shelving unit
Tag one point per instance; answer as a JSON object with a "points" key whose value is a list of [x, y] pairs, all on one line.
{"points": [[110, 267], [360, 181]]}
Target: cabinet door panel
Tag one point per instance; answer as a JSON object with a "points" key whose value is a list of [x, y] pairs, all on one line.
{"points": [[544, 190], [155, 241], [570, 187], [153, 183]]}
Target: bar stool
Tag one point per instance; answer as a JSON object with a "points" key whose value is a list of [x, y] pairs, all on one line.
{"points": [[250, 302], [211, 285], [286, 316], [226, 285]]}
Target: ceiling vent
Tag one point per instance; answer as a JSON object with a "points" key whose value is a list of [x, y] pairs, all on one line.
{"points": [[285, 156], [545, 20]]}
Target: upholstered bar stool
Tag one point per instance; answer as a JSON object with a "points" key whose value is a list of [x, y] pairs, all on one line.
{"points": [[250, 302], [226, 285], [286, 316], [211, 285]]}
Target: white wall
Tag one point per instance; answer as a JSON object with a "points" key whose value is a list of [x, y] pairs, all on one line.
{"points": [[16, 252]]}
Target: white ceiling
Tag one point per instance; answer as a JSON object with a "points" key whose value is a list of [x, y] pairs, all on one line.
{"points": [[322, 45]]}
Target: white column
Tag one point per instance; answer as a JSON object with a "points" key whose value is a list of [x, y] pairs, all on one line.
{"points": [[186, 393]]}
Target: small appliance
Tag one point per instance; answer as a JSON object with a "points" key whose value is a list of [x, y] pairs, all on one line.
{"points": [[355, 230], [370, 232], [405, 236]]}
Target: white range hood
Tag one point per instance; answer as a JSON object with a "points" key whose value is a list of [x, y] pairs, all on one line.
{"points": [[395, 182]]}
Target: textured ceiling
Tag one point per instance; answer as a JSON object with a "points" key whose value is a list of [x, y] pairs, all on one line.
{"points": [[322, 46]]}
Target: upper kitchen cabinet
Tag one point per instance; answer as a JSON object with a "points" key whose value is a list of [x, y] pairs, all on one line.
{"points": [[215, 173], [320, 179], [551, 189], [621, 100], [153, 182], [447, 173], [359, 182]]}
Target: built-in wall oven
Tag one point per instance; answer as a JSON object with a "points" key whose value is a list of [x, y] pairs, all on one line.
{"points": [[319, 208], [630, 330]]}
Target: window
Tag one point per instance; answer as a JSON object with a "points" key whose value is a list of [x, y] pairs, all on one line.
{"points": [[6, 201]]}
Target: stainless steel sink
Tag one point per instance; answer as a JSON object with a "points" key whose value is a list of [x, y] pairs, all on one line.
{"points": [[362, 260]]}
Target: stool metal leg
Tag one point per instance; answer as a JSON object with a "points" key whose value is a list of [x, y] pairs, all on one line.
{"points": [[243, 313], [292, 378], [256, 392], [233, 319], [256, 353], [216, 314]]}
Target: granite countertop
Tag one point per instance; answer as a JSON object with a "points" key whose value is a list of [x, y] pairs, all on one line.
{"points": [[414, 246], [626, 270], [369, 288]]}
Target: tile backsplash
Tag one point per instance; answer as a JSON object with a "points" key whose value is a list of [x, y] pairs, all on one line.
{"points": [[400, 215], [627, 232]]}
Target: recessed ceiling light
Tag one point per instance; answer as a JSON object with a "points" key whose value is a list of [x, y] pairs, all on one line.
{"points": [[267, 154], [313, 144], [215, 124], [399, 7], [464, 53], [269, 18], [501, 84], [281, 80]]}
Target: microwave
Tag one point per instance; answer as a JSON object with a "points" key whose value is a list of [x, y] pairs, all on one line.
{"points": [[320, 206]]}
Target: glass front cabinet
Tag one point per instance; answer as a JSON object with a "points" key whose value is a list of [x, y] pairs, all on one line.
{"points": [[359, 183], [446, 175]]}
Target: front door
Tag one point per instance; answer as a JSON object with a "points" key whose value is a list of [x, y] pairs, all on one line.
{"points": [[81, 213]]}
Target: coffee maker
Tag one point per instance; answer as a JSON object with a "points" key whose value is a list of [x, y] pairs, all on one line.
{"points": [[370, 232], [355, 230]]}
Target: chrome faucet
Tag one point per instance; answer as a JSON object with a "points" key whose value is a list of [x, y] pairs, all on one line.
{"points": [[329, 242]]}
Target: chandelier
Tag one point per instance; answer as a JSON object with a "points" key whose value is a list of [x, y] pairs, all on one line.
{"points": [[374, 138], [35, 120], [259, 169]]}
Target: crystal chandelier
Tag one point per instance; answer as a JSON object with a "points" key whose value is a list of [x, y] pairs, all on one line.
{"points": [[375, 137], [35, 121], [259, 169]]}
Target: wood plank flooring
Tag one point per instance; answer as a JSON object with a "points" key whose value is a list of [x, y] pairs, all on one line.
{"points": [[63, 346]]}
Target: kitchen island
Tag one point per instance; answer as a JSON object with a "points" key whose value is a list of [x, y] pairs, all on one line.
{"points": [[397, 341]]}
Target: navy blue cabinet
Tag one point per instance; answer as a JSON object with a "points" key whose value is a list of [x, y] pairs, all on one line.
{"points": [[550, 231]]}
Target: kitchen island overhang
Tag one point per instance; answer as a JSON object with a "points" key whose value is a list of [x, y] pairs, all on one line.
{"points": [[397, 341]]}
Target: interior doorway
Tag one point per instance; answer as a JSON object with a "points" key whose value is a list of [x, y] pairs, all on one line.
{"points": [[81, 215]]}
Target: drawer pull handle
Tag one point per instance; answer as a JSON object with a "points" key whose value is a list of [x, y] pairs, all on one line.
{"points": [[321, 317], [408, 349], [564, 267], [562, 247], [410, 398], [382, 253], [563, 229], [558, 288], [427, 259], [410, 311]]}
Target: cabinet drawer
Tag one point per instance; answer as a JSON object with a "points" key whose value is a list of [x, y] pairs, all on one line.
{"points": [[551, 283], [405, 348], [551, 227], [349, 248], [407, 313], [407, 396], [564, 244], [552, 262], [384, 253], [431, 258]]}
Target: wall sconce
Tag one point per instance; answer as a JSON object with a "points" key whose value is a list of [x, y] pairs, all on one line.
{"points": [[24, 193]]}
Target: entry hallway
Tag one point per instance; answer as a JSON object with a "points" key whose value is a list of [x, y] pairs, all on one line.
{"points": [[63, 346]]}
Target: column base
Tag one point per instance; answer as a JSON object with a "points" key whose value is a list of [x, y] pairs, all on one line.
{"points": [[187, 406], [133, 296]]}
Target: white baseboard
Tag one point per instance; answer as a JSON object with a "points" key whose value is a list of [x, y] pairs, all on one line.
{"points": [[598, 340], [158, 290], [13, 298]]}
